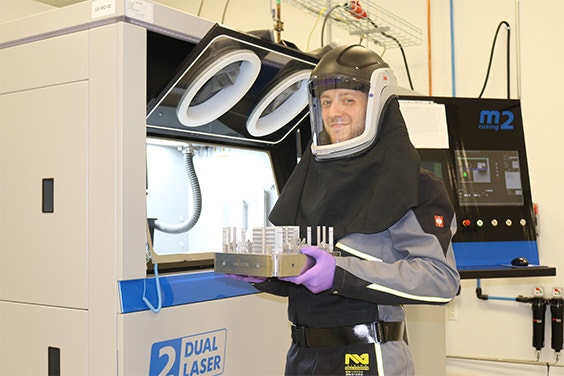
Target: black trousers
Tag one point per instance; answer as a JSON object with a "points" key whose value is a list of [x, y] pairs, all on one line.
{"points": [[351, 360]]}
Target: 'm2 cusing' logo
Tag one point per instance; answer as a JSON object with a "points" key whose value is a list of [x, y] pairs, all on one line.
{"points": [[496, 120]]}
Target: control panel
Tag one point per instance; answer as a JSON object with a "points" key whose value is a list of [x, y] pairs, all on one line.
{"points": [[485, 169]]}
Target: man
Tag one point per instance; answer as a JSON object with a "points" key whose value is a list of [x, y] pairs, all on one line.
{"points": [[393, 223]]}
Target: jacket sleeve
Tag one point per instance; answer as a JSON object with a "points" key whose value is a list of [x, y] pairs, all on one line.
{"points": [[273, 286], [410, 263]]}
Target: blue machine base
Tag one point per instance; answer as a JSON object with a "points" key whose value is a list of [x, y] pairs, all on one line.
{"points": [[471, 254], [199, 287], [180, 289]]}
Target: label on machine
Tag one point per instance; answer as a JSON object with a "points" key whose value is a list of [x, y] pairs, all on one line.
{"points": [[200, 354]]}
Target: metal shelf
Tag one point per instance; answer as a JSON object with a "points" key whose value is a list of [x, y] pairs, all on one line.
{"points": [[379, 26]]}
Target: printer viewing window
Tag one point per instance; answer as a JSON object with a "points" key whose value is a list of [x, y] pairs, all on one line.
{"points": [[488, 177]]}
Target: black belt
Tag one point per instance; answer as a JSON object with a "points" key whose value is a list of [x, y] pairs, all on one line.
{"points": [[374, 332]]}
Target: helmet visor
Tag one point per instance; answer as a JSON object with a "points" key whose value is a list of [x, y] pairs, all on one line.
{"points": [[338, 107]]}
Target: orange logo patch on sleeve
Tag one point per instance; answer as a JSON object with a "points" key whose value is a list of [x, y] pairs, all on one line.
{"points": [[439, 221]]}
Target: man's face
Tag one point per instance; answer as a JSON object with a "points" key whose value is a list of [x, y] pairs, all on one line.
{"points": [[344, 113]]}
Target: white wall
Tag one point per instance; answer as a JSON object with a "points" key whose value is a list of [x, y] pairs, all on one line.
{"points": [[490, 329]]}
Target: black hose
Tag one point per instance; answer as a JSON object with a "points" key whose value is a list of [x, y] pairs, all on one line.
{"points": [[491, 58], [326, 18], [402, 52]]}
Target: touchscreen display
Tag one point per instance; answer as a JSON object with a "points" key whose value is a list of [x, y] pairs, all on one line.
{"points": [[488, 177]]}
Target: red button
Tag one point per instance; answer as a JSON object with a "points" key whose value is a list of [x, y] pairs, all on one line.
{"points": [[466, 222]]}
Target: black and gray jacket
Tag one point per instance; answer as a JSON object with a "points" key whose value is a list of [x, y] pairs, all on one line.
{"points": [[411, 262]]}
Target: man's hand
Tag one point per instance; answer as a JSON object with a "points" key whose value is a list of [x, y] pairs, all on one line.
{"points": [[319, 272]]}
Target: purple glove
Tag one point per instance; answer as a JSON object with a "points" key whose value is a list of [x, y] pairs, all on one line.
{"points": [[317, 276], [246, 278]]}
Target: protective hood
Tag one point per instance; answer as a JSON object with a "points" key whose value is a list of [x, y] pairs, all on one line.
{"points": [[365, 193]]}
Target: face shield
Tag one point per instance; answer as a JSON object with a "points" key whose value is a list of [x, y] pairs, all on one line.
{"points": [[345, 112]]}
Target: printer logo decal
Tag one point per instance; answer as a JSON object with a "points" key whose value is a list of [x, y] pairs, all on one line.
{"points": [[200, 354], [495, 120]]}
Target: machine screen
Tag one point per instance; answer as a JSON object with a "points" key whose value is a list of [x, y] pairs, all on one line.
{"points": [[488, 177]]}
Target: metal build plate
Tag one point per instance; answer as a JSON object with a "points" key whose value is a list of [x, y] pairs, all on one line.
{"points": [[260, 265]]}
